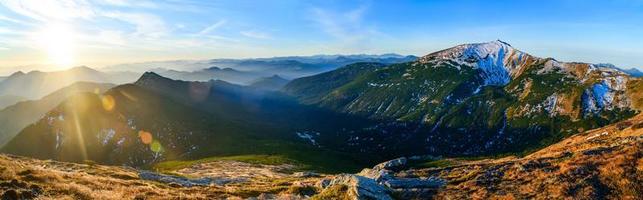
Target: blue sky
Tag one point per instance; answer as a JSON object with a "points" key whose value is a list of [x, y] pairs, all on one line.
{"points": [[103, 32]]}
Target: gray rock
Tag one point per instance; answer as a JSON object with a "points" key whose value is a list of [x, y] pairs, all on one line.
{"points": [[174, 180], [406, 183], [384, 171], [324, 183], [224, 181], [377, 175], [361, 187], [394, 164]]}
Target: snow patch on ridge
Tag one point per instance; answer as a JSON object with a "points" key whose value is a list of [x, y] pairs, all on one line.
{"points": [[497, 60]]}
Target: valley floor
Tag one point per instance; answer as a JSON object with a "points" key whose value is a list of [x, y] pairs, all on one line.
{"points": [[605, 163]]}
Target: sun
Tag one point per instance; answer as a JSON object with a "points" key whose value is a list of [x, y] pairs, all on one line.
{"points": [[57, 40]]}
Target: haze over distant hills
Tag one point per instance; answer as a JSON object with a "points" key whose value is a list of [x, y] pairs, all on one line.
{"points": [[36, 84], [16, 117], [288, 67]]}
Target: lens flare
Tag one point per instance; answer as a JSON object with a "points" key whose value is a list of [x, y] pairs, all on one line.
{"points": [[146, 137], [156, 146], [108, 102]]}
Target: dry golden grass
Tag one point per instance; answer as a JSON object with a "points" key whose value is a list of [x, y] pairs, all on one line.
{"points": [[598, 164], [59, 180]]}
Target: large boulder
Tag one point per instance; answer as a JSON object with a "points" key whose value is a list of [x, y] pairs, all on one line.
{"points": [[359, 187], [384, 171]]}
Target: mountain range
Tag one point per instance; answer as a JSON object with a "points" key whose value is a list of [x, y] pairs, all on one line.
{"points": [[469, 100], [287, 67], [476, 98], [554, 120]]}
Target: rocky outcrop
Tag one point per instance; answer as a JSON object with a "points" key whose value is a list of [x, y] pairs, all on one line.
{"points": [[380, 181], [359, 187]]}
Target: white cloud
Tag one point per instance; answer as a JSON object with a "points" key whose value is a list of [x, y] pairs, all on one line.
{"points": [[213, 27], [255, 34]]}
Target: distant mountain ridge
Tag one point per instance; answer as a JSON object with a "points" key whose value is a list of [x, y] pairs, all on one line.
{"points": [[273, 83], [287, 67], [632, 71], [210, 73], [36, 84]]}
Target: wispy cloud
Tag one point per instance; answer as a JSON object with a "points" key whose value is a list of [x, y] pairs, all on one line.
{"points": [[255, 34], [146, 25], [213, 27], [348, 27], [12, 20], [50, 10], [129, 3]]}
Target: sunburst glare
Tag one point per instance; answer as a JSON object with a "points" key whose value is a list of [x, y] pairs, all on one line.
{"points": [[57, 40]]}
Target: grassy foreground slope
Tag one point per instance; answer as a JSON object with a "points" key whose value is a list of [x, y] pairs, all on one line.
{"points": [[604, 163]]}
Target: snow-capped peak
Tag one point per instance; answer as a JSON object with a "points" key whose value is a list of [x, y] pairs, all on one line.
{"points": [[498, 60]]}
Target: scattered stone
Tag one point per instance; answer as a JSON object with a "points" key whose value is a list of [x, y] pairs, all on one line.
{"points": [[597, 151]]}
